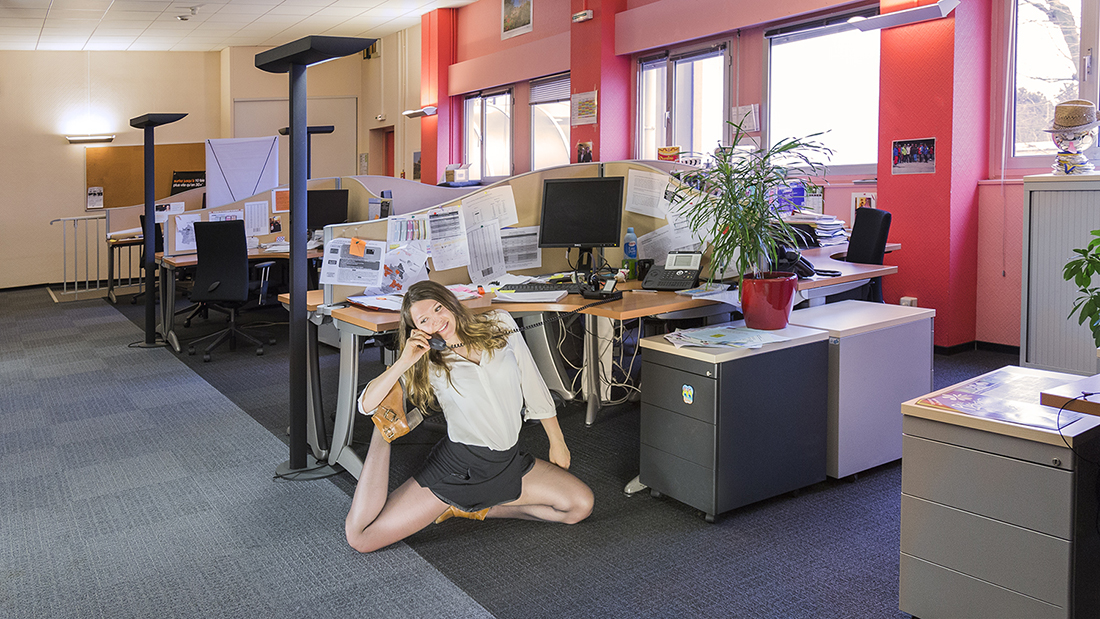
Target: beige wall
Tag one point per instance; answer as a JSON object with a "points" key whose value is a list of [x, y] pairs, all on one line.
{"points": [[43, 95]]}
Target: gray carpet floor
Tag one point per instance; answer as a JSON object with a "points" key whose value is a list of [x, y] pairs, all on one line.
{"points": [[830, 550], [132, 488]]}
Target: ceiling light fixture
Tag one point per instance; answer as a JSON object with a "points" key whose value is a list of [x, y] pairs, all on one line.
{"points": [[89, 139], [428, 110], [186, 16], [905, 17]]}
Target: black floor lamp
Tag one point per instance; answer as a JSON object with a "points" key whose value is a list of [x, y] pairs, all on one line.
{"points": [[293, 58], [310, 132], [148, 122]]}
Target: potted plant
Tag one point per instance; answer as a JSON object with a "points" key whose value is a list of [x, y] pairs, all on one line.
{"points": [[1080, 270], [732, 206]]}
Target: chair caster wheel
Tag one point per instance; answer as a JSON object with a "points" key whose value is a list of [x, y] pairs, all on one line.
{"points": [[205, 357], [187, 323], [271, 341], [709, 518], [191, 350], [260, 351], [655, 493]]}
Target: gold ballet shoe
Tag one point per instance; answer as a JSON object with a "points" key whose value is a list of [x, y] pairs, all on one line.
{"points": [[458, 513], [390, 416]]}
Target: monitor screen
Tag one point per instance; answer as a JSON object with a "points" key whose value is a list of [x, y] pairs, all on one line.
{"points": [[326, 206], [581, 212]]}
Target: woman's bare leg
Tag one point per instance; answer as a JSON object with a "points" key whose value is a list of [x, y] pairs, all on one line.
{"points": [[376, 519], [550, 493]]}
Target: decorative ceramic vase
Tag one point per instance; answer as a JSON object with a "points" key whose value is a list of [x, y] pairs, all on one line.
{"points": [[767, 299], [1071, 147]]}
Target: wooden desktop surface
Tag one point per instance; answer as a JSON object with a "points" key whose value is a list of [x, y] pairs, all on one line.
{"points": [[190, 260], [1064, 396]]}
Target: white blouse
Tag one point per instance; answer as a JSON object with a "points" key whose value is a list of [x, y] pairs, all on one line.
{"points": [[483, 405]]}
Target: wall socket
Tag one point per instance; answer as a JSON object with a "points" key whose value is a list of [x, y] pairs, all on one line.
{"points": [[909, 301]]}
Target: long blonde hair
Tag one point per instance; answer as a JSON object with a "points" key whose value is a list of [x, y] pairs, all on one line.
{"points": [[480, 332]]}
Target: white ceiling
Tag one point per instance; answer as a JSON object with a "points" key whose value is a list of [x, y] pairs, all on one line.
{"points": [[153, 25]]}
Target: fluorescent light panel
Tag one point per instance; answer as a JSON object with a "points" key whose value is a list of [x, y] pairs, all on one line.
{"points": [[89, 139]]}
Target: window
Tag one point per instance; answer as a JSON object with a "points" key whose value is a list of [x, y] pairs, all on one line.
{"points": [[488, 138], [1045, 60], [836, 92], [682, 101], [550, 122]]}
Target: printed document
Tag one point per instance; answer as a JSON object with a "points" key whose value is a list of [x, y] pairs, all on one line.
{"points": [[645, 193], [404, 266], [498, 203], [257, 218], [401, 230], [185, 232], [521, 248], [233, 215], [447, 231], [162, 210], [486, 252], [340, 266]]}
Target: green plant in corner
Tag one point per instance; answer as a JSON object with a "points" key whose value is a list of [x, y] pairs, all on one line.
{"points": [[1080, 271], [732, 206]]}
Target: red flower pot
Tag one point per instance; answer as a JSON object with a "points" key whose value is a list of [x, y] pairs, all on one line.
{"points": [[767, 299]]}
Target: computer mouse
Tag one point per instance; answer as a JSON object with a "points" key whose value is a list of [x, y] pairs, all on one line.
{"points": [[437, 342]]}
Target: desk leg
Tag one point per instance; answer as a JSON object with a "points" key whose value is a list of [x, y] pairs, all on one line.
{"points": [[315, 413], [341, 452], [592, 344], [168, 306], [111, 272]]}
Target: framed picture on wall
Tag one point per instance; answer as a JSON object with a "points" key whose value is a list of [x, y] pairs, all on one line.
{"points": [[913, 156], [515, 18]]}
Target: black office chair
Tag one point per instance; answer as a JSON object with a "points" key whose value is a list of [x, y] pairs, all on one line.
{"points": [[222, 279], [867, 245]]}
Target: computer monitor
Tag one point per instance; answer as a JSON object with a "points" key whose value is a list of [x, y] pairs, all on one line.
{"points": [[326, 206], [582, 212]]}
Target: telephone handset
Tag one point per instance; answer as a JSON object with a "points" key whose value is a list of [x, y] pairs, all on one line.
{"points": [[437, 343], [791, 260], [680, 272]]}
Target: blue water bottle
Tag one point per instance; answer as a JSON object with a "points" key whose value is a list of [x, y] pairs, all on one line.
{"points": [[630, 254]]}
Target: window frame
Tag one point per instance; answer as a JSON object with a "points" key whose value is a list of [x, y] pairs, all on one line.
{"points": [[532, 102], [483, 95], [1003, 87], [835, 23], [670, 57]]}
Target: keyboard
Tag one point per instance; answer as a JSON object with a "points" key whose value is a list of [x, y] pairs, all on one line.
{"points": [[542, 287]]}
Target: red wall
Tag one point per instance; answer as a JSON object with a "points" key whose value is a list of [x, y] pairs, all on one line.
{"points": [[934, 83]]}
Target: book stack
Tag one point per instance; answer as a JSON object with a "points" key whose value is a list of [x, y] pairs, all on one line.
{"points": [[829, 229]]}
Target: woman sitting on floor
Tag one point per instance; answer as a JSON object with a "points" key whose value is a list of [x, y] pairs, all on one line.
{"points": [[481, 381]]}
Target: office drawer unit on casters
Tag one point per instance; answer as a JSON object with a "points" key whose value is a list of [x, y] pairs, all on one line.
{"points": [[880, 355], [999, 519], [725, 427]]}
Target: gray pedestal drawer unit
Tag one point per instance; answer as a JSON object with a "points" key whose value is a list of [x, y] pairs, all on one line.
{"points": [[722, 428]]}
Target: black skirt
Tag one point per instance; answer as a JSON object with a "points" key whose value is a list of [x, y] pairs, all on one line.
{"points": [[472, 477]]}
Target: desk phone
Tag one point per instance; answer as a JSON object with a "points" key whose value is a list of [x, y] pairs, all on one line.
{"points": [[680, 271]]}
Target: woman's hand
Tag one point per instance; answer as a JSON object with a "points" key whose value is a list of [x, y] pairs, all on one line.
{"points": [[559, 454], [415, 347]]}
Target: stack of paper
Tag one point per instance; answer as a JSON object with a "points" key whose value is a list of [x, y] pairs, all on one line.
{"points": [[723, 337], [829, 229]]}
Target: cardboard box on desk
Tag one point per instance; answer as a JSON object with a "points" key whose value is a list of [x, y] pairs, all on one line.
{"points": [[456, 173]]}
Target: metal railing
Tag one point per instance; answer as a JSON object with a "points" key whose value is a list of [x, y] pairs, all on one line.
{"points": [[82, 242]]}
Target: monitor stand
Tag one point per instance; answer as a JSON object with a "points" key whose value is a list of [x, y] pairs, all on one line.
{"points": [[585, 264]]}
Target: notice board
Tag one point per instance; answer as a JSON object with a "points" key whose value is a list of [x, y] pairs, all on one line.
{"points": [[120, 170]]}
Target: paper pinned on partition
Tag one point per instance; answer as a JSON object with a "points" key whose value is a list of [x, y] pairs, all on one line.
{"points": [[185, 232], [521, 248], [403, 267], [486, 252], [232, 215], [163, 210], [447, 232], [645, 193], [257, 218], [401, 230], [497, 203], [339, 266]]}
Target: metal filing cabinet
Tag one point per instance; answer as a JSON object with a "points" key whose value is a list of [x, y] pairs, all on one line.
{"points": [[998, 519], [879, 356], [723, 427]]}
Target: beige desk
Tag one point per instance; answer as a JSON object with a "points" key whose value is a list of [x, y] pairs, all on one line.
{"points": [[115, 246]]}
